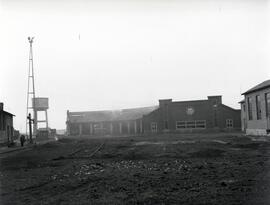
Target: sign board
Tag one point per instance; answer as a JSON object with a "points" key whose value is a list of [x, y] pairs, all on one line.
{"points": [[40, 103]]}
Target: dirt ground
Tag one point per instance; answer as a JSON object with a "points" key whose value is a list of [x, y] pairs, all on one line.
{"points": [[166, 169]]}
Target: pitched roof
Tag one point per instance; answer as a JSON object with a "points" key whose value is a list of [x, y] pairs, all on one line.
{"points": [[7, 113], [242, 101], [260, 86], [110, 115]]}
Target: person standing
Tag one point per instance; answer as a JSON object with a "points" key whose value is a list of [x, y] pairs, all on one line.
{"points": [[22, 139]]}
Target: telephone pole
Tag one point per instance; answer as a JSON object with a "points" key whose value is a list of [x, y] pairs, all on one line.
{"points": [[30, 127]]}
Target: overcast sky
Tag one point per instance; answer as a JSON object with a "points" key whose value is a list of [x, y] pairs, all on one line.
{"points": [[96, 55]]}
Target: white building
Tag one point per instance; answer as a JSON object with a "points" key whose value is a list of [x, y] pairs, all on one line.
{"points": [[255, 110]]}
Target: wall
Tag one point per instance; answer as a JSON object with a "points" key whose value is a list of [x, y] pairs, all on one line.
{"points": [[6, 135], [255, 126], [177, 111], [229, 113], [124, 127], [243, 117], [212, 111]]}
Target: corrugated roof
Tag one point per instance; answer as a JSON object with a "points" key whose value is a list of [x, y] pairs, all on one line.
{"points": [[260, 86], [110, 115]]}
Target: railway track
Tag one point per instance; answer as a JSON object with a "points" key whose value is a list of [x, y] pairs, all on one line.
{"points": [[72, 155]]}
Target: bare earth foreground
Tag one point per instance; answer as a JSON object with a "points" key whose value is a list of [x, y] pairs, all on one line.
{"points": [[166, 169]]}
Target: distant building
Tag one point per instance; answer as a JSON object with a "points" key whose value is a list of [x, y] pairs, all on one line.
{"points": [[109, 122], [255, 109], [183, 116], [61, 132], [192, 116], [6, 125]]}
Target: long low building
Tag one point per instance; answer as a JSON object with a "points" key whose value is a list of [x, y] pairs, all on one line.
{"points": [[113, 122], [169, 116]]}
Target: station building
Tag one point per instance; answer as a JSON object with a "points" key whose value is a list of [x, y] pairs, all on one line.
{"points": [[181, 116], [255, 110], [192, 116]]}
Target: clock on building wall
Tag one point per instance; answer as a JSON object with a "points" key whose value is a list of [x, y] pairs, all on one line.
{"points": [[190, 111]]}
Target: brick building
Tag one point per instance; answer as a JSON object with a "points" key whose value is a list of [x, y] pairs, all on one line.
{"points": [[108, 122], [192, 116], [6, 125], [183, 116], [255, 109]]}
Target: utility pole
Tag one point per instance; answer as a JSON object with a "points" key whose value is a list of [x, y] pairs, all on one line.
{"points": [[31, 87], [30, 127]]}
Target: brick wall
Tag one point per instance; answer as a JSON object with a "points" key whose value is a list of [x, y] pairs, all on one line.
{"points": [[211, 111]]}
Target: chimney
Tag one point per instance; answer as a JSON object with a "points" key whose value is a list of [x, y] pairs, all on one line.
{"points": [[216, 99], [1, 106], [164, 102]]}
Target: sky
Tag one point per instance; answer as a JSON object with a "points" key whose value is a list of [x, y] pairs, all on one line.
{"points": [[100, 54]]}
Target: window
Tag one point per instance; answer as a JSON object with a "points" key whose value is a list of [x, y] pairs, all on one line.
{"points": [[258, 107], [166, 125], [190, 124], [180, 124], [267, 104], [229, 123], [200, 124], [153, 127], [250, 117]]}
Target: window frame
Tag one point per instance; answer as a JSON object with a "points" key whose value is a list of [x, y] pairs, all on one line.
{"points": [[250, 115], [179, 127], [229, 122], [197, 124], [203, 122], [267, 108], [258, 107], [154, 127], [190, 124]]}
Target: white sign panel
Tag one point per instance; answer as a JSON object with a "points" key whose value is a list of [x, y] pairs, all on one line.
{"points": [[41, 103]]}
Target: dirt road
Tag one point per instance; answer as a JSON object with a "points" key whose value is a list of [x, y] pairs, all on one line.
{"points": [[171, 169]]}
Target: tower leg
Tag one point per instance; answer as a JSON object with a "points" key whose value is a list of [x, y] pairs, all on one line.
{"points": [[35, 123], [46, 119]]}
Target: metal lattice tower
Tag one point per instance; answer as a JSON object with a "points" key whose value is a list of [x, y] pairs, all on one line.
{"points": [[31, 88]]}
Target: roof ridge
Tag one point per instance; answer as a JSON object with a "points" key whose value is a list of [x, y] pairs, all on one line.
{"points": [[259, 86], [114, 110]]}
